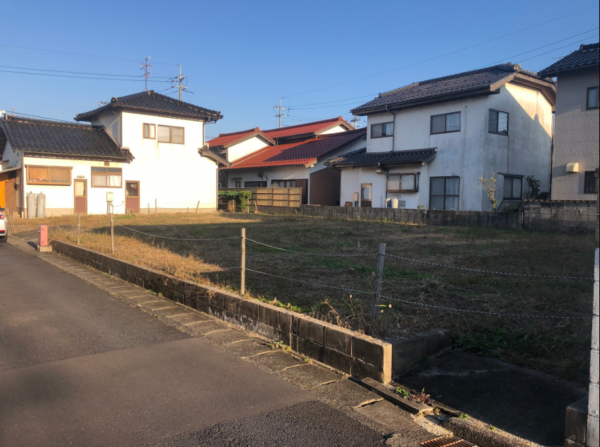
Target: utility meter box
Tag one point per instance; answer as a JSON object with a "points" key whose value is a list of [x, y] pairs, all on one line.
{"points": [[356, 197], [572, 168], [43, 241], [109, 196]]}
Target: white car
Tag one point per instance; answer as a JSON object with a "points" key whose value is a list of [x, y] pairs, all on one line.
{"points": [[3, 227]]}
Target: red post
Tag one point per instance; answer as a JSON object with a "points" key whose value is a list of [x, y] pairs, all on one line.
{"points": [[43, 236]]}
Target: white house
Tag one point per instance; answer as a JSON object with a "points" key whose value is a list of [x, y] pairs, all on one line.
{"points": [[577, 123], [430, 142], [146, 149]]}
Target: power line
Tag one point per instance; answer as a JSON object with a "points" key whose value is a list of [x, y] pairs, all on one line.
{"points": [[76, 77], [444, 55], [78, 72], [78, 54]]}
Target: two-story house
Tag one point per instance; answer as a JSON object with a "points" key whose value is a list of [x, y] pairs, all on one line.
{"points": [[430, 142], [576, 134], [146, 149]]}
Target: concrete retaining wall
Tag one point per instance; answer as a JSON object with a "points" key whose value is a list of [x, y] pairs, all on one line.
{"points": [[347, 351], [561, 217]]}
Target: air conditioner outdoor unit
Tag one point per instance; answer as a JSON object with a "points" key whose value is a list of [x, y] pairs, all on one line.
{"points": [[572, 167]]}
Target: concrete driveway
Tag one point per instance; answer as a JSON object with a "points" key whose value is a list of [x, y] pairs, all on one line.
{"points": [[80, 367]]}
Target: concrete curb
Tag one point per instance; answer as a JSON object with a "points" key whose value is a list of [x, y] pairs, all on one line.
{"points": [[484, 435], [408, 405], [347, 351]]}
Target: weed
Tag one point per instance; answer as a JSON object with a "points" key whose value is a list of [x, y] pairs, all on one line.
{"points": [[307, 360], [403, 393], [463, 416]]}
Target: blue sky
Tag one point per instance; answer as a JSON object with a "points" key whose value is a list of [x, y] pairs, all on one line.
{"points": [[240, 57]]}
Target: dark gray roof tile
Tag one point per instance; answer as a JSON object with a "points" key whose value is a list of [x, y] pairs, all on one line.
{"points": [[363, 158], [53, 137], [151, 101], [587, 56]]}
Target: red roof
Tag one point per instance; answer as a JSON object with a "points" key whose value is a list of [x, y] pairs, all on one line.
{"points": [[300, 153], [301, 129], [226, 139]]}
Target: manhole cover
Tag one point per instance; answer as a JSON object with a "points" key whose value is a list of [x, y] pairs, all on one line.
{"points": [[447, 441]]}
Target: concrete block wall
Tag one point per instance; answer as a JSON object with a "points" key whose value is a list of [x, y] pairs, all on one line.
{"points": [[559, 217], [353, 353]]}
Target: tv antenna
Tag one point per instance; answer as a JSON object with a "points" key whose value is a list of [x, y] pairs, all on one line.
{"points": [[146, 67]]}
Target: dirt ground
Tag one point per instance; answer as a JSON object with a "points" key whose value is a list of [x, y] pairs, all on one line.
{"points": [[556, 346]]}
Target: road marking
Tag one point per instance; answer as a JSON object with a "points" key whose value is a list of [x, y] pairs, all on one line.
{"points": [[218, 330], [180, 315], [295, 366], [331, 381], [150, 302], [261, 353]]}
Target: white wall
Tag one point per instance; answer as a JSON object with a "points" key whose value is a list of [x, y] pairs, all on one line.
{"points": [[112, 122], [336, 129], [473, 152], [244, 148], [174, 174], [577, 135]]}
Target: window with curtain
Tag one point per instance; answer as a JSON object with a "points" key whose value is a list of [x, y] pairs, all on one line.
{"points": [[150, 131], [366, 195], [402, 182], [444, 193], [107, 177], [513, 187], [170, 134], [446, 123], [382, 130], [283, 183], [498, 122], [592, 98], [48, 175], [255, 184]]}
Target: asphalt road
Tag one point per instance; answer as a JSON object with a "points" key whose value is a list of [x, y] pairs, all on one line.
{"points": [[79, 367]]}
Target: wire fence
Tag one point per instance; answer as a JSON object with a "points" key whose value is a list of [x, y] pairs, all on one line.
{"points": [[375, 294]]}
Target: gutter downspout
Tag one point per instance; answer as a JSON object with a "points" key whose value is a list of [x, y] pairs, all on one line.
{"points": [[394, 130]]}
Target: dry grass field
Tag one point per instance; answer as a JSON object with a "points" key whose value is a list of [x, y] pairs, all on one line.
{"points": [[555, 346]]}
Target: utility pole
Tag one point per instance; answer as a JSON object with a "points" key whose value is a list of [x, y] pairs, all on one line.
{"points": [[280, 114], [180, 78], [146, 67], [356, 120]]}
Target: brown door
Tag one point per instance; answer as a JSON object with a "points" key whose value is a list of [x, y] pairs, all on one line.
{"points": [[325, 187], [80, 196], [132, 197]]}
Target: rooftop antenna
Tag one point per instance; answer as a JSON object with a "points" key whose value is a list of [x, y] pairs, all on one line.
{"points": [[146, 67], [180, 78], [13, 112]]}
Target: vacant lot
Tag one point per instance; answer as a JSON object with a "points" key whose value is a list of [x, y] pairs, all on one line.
{"points": [[556, 346]]}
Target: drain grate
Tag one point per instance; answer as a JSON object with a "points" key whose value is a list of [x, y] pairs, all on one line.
{"points": [[447, 441]]}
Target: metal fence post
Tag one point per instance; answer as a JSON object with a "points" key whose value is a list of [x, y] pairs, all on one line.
{"points": [[378, 280], [112, 232], [243, 264], [78, 227]]}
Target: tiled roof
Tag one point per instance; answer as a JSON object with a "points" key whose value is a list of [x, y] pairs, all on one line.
{"points": [[229, 139], [309, 128], [364, 158], [443, 88], [586, 56], [299, 153], [52, 137], [156, 103]]}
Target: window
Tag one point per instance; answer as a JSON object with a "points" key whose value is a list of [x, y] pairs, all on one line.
{"points": [[382, 130], [592, 98], [498, 122], [283, 183], [238, 182], [444, 193], [107, 177], [48, 175], [255, 185], [366, 195], [402, 182], [513, 187], [150, 131], [589, 184], [169, 134], [449, 122]]}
